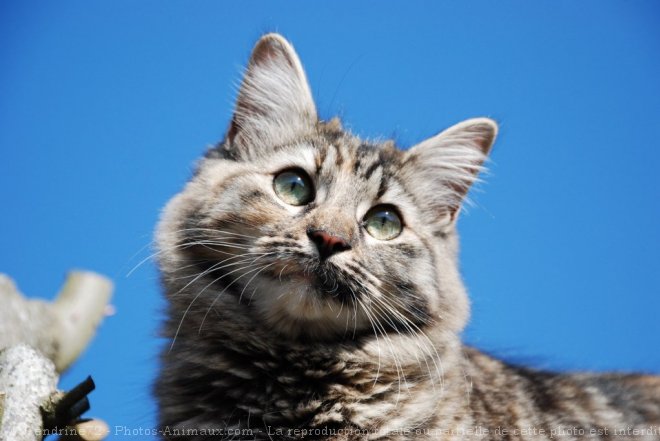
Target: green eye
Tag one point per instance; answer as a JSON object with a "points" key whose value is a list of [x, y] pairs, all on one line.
{"points": [[294, 187], [383, 222]]}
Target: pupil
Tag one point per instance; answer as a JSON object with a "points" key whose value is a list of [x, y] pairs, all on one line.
{"points": [[296, 184]]}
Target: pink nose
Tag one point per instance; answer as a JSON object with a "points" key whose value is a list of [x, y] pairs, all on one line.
{"points": [[327, 244]]}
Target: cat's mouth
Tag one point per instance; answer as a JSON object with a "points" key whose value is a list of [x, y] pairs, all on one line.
{"points": [[310, 299], [323, 278], [330, 283]]}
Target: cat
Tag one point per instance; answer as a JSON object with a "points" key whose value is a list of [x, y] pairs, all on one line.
{"points": [[313, 291]]}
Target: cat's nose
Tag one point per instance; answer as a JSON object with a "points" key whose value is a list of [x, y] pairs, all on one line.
{"points": [[326, 243]]}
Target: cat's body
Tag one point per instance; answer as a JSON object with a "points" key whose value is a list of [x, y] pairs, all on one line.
{"points": [[264, 388], [314, 292]]}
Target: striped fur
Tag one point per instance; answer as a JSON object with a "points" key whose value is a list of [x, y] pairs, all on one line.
{"points": [[267, 341]]}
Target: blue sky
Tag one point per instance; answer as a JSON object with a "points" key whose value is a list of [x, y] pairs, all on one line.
{"points": [[104, 107]]}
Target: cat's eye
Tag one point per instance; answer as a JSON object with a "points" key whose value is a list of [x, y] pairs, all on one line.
{"points": [[294, 187], [383, 222]]}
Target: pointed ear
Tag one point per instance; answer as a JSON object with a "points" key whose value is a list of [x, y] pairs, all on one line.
{"points": [[443, 168], [274, 101]]}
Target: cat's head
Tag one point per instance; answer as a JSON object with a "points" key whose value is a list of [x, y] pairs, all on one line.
{"points": [[295, 225]]}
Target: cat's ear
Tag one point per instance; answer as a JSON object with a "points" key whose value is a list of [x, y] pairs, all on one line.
{"points": [[443, 167], [274, 102]]}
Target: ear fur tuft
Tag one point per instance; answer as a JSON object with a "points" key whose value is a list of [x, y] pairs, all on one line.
{"points": [[446, 165], [274, 102]]}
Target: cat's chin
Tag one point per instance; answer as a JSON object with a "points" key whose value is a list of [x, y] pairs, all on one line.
{"points": [[304, 305]]}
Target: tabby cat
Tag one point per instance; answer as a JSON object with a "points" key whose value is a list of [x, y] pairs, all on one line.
{"points": [[314, 293]]}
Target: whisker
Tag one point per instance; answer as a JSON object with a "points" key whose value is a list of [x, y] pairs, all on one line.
{"points": [[252, 278], [208, 310], [178, 246], [178, 329], [214, 268]]}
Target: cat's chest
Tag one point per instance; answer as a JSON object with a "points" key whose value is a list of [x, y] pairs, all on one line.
{"points": [[291, 389], [285, 387], [281, 394]]}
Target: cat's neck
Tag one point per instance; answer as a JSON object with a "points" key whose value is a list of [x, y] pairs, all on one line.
{"points": [[230, 331], [363, 379]]}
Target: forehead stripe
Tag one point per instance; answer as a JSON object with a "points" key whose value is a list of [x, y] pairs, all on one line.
{"points": [[370, 170]]}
